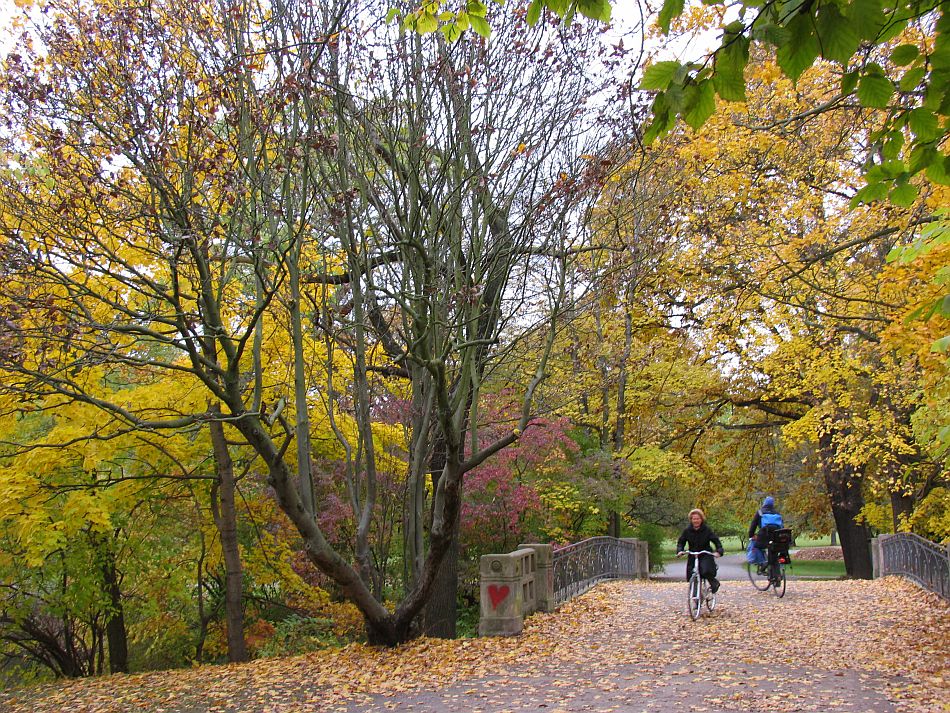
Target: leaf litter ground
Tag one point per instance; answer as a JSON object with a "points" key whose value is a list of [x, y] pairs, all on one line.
{"points": [[625, 646]]}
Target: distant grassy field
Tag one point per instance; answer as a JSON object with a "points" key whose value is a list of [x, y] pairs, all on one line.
{"points": [[732, 545]]}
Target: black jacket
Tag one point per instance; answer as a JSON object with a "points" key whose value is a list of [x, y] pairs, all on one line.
{"points": [[701, 539]]}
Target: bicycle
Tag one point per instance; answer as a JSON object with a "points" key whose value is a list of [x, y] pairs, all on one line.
{"points": [[699, 590], [771, 575]]}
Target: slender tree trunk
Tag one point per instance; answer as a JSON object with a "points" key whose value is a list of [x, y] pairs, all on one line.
{"points": [[115, 631], [203, 620], [381, 626], [613, 524], [115, 623], [225, 518]]}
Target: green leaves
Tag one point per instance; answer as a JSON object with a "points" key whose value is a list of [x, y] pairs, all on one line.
{"points": [[924, 124], [670, 9], [659, 75], [837, 35], [594, 9], [904, 194], [693, 97], [534, 12], [803, 32], [702, 105], [664, 118], [866, 17], [904, 55], [874, 89], [912, 78], [428, 19], [802, 48], [729, 76], [426, 23], [480, 25]]}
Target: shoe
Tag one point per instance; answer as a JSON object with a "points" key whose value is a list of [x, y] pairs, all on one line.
{"points": [[761, 569], [714, 585]]}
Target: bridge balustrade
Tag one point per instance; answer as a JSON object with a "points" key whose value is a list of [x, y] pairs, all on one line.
{"points": [[538, 577], [911, 556]]}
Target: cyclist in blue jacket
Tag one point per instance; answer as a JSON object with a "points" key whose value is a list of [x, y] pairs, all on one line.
{"points": [[766, 520]]}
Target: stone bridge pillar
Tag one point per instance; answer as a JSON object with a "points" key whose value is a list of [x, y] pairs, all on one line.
{"points": [[641, 566], [502, 598], [544, 575]]}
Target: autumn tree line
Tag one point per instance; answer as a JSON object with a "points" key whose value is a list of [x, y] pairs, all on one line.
{"points": [[307, 305]]}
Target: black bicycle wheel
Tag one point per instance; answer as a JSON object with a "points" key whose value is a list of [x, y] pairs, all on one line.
{"points": [[710, 599], [758, 576], [695, 602], [778, 580]]}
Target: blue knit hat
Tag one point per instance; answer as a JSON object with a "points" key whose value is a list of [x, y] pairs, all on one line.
{"points": [[769, 502]]}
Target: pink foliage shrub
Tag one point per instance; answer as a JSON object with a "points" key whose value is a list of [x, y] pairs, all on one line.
{"points": [[501, 495]]}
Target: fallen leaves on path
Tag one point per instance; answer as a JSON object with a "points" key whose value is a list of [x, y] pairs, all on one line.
{"points": [[825, 554], [886, 634]]}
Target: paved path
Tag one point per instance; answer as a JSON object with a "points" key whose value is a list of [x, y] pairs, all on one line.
{"points": [[731, 568], [627, 647], [755, 652]]}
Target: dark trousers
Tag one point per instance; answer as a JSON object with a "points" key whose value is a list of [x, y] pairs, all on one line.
{"points": [[707, 567]]}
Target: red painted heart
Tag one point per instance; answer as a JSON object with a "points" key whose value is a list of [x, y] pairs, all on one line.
{"points": [[497, 594]]}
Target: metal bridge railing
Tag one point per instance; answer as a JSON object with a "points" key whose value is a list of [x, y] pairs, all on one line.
{"points": [[921, 560], [579, 566], [536, 577]]}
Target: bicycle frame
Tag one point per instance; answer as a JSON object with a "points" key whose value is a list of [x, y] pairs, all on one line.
{"points": [[699, 589]]}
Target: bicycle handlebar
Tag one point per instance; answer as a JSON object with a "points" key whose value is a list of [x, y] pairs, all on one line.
{"points": [[696, 554]]}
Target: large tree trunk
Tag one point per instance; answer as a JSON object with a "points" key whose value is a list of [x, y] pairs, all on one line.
{"points": [[844, 485], [902, 507], [225, 518], [441, 611]]}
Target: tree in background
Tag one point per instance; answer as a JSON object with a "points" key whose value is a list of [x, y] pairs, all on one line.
{"points": [[795, 287], [283, 219]]}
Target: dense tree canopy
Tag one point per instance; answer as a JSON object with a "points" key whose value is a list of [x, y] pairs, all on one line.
{"points": [[305, 307]]}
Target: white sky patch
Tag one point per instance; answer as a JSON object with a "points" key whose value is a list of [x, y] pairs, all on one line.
{"points": [[7, 11]]}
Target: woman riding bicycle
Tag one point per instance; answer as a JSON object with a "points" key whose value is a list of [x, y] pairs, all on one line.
{"points": [[700, 537]]}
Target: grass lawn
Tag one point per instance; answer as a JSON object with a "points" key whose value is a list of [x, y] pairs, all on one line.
{"points": [[816, 568]]}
